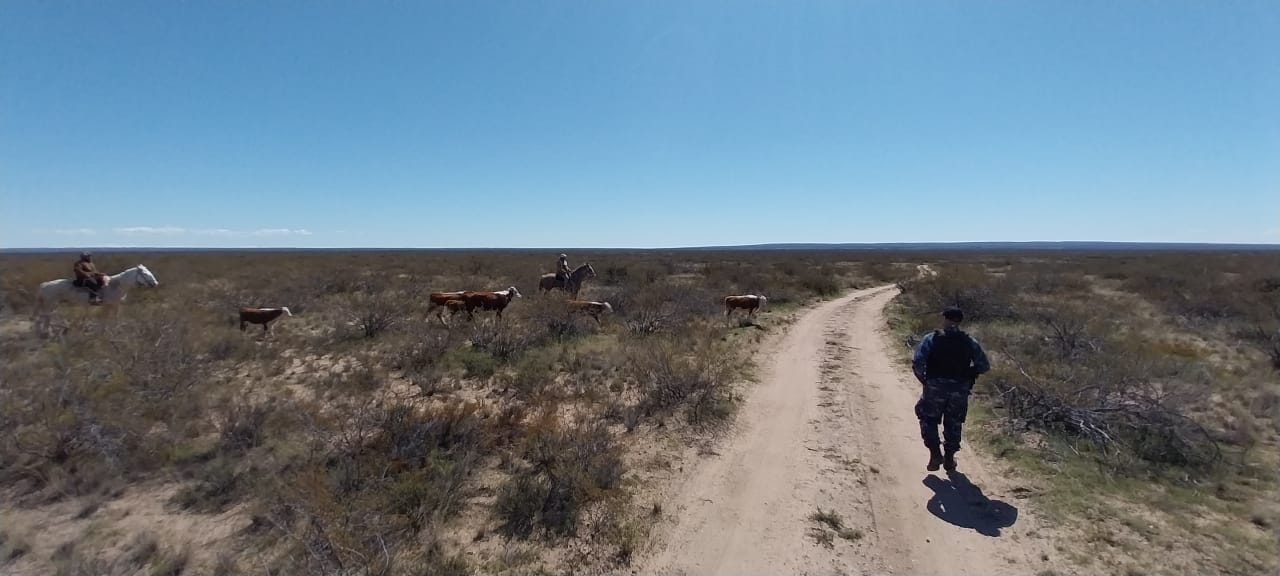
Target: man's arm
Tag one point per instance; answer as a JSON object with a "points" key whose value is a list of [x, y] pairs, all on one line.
{"points": [[980, 362], [921, 356]]}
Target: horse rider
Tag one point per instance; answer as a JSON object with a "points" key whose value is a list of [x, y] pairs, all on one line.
{"points": [[562, 270], [87, 276]]}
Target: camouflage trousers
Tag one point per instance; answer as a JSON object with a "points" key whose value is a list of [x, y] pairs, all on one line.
{"points": [[944, 401]]}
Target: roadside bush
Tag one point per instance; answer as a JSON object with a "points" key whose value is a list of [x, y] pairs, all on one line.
{"points": [[395, 470], [695, 374], [981, 296], [822, 282], [567, 469]]}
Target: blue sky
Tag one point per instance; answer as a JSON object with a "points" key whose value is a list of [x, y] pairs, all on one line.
{"points": [[637, 124]]}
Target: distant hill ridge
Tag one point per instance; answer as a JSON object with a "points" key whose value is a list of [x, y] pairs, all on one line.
{"points": [[886, 246]]}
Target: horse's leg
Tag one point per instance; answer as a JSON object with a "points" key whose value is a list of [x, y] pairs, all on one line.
{"points": [[38, 316]]}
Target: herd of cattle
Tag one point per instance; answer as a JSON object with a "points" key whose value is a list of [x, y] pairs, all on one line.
{"points": [[471, 300]]}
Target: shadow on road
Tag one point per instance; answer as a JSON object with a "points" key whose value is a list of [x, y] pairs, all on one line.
{"points": [[957, 501]]}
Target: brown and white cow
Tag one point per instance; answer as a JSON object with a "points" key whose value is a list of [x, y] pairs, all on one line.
{"points": [[441, 300], [262, 316], [455, 307], [748, 302], [495, 301], [592, 309]]}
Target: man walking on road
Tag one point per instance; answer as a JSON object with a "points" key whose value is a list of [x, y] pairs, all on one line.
{"points": [[946, 362]]}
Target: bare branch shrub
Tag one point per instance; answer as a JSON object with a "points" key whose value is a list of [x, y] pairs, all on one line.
{"points": [[395, 470], [672, 373], [373, 314], [980, 295], [506, 343], [568, 468]]}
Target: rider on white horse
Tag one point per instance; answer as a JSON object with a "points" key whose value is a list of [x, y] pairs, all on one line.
{"points": [[562, 270], [87, 276]]}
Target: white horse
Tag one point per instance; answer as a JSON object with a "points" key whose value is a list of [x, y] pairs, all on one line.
{"points": [[63, 291]]}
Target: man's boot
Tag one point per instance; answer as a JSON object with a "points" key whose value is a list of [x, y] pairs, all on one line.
{"points": [[949, 461], [935, 458]]}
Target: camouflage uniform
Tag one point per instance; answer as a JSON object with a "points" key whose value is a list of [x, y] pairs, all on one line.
{"points": [[946, 363]]}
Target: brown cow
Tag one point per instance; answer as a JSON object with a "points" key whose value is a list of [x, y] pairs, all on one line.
{"points": [[262, 316], [455, 306], [748, 302], [592, 309], [496, 301], [441, 300]]}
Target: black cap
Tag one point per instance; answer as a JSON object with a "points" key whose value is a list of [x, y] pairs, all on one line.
{"points": [[953, 313]]}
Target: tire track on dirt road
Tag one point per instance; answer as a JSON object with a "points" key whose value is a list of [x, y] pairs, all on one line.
{"points": [[831, 427]]}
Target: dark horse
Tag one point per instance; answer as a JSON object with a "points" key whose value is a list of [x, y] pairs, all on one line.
{"points": [[573, 285]]}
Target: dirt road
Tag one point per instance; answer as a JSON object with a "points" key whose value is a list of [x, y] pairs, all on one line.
{"points": [[831, 427]]}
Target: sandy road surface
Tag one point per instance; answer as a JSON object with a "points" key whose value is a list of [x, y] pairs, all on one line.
{"points": [[831, 427]]}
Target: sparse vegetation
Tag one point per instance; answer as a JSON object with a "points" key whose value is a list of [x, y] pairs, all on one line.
{"points": [[1127, 380], [364, 435], [832, 520], [361, 433]]}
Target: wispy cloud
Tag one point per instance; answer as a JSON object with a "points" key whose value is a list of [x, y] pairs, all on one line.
{"points": [[217, 232], [70, 232], [214, 232], [280, 232], [150, 231]]}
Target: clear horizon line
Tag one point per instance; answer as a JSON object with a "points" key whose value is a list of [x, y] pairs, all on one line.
{"points": [[679, 247]]}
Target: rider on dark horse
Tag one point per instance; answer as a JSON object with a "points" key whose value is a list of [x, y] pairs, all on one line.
{"points": [[562, 271], [87, 276]]}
